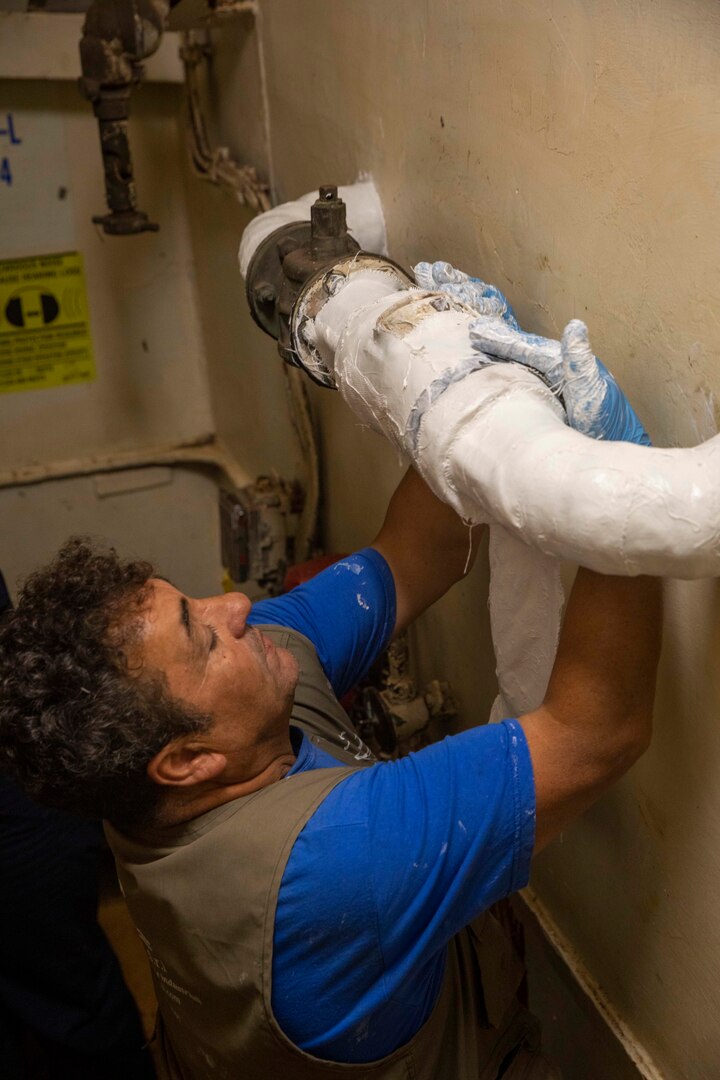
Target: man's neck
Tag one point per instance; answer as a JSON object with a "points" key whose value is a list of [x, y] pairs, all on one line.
{"points": [[185, 804]]}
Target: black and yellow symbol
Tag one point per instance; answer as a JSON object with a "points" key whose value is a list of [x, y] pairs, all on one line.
{"points": [[31, 308]]}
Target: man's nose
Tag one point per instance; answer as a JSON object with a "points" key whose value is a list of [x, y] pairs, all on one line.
{"points": [[236, 608]]}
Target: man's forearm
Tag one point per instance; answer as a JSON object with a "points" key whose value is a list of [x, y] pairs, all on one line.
{"points": [[426, 545], [597, 715], [607, 656]]}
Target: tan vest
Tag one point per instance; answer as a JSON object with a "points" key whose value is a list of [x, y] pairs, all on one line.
{"points": [[203, 897]]}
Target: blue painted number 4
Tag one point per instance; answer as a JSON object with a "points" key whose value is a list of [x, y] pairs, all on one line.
{"points": [[6, 172]]}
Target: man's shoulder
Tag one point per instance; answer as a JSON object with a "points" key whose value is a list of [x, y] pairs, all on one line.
{"points": [[351, 587]]}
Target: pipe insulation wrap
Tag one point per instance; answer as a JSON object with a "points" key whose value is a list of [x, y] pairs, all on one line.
{"points": [[492, 441], [364, 288], [617, 508], [526, 600]]}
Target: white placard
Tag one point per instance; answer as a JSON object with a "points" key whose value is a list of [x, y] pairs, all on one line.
{"points": [[36, 214]]}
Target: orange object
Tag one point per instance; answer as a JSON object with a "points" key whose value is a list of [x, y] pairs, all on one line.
{"points": [[301, 572]]}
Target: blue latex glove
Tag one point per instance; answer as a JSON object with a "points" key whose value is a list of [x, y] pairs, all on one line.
{"points": [[594, 403], [486, 299]]}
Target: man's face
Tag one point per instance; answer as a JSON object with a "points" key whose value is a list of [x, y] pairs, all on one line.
{"points": [[213, 661]]}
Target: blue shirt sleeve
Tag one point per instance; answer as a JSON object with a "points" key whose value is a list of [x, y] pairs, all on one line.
{"points": [[397, 859], [347, 611]]}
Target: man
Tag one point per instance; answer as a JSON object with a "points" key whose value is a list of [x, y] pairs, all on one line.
{"points": [[305, 911]]}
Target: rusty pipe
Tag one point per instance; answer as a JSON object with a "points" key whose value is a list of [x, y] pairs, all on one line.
{"points": [[117, 36]]}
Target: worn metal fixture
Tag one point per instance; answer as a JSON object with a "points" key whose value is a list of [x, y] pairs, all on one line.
{"points": [[117, 36], [391, 715], [295, 268], [288, 258], [258, 527]]}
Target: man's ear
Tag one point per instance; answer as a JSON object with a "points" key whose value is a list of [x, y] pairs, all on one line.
{"points": [[180, 764]]}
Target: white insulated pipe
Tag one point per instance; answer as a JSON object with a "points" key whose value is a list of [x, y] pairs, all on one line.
{"points": [[491, 440]]}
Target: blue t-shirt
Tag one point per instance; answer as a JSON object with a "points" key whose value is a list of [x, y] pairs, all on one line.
{"points": [[410, 851]]}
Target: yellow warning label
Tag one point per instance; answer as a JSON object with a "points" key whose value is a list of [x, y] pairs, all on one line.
{"points": [[44, 327]]}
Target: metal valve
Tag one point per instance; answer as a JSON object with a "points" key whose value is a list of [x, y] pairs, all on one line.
{"points": [[288, 258]]}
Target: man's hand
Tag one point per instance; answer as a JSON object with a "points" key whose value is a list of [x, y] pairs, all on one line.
{"points": [[486, 299], [594, 403]]}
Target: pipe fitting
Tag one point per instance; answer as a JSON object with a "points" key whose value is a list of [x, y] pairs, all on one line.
{"points": [[117, 36], [286, 260]]}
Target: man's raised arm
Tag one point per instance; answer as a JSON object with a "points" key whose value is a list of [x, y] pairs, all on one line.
{"points": [[596, 719], [426, 546]]}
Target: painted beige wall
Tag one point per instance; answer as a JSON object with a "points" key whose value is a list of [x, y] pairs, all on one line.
{"points": [[169, 330], [151, 387], [568, 151], [246, 380], [167, 515], [247, 384]]}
